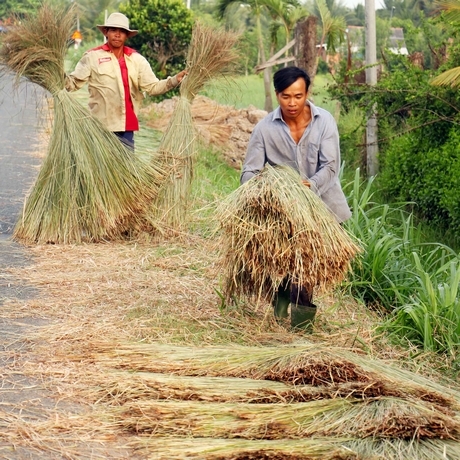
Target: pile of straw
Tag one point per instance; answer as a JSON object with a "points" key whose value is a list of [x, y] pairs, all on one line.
{"points": [[317, 448], [378, 418], [211, 55], [89, 184], [121, 387], [374, 410], [273, 227], [321, 366]]}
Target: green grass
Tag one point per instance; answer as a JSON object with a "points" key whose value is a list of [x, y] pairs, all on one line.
{"points": [[414, 282], [244, 91]]}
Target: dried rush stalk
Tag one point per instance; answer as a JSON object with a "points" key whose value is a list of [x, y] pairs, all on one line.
{"points": [[211, 55], [274, 227], [375, 418], [89, 184]]}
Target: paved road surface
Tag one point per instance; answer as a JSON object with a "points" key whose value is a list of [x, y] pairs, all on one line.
{"points": [[19, 121]]}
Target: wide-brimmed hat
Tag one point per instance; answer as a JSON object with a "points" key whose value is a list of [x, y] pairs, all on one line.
{"points": [[119, 21]]}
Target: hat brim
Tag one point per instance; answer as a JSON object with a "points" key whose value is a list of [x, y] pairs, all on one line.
{"points": [[130, 33]]}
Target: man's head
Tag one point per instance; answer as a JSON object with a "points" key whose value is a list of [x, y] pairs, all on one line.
{"points": [[287, 76], [291, 88], [117, 21]]}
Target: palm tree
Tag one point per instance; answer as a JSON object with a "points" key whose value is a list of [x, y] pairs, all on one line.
{"points": [[256, 7], [286, 12], [333, 27], [450, 77]]}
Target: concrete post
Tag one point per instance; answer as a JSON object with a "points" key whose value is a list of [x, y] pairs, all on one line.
{"points": [[371, 79]]}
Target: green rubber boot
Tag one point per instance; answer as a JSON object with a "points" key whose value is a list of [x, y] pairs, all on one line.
{"points": [[281, 302], [302, 317]]}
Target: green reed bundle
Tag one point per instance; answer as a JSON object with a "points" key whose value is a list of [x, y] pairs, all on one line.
{"points": [[314, 364], [89, 184], [122, 387], [274, 227], [211, 55]]}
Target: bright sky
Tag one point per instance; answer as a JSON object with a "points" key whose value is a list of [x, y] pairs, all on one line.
{"points": [[352, 3]]}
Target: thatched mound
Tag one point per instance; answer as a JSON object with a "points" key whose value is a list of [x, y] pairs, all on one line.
{"points": [[223, 126]]}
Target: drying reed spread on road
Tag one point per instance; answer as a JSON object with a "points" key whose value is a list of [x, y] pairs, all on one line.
{"points": [[112, 346], [273, 227]]}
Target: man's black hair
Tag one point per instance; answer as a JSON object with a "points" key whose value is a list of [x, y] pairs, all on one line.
{"points": [[286, 76]]}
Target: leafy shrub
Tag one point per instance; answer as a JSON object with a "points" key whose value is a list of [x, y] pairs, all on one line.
{"points": [[418, 138], [415, 284], [429, 178], [165, 30]]}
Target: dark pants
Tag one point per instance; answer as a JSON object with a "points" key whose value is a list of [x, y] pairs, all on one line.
{"points": [[127, 137], [299, 295]]}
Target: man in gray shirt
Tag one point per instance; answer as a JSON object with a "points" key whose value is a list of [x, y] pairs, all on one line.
{"points": [[305, 137]]}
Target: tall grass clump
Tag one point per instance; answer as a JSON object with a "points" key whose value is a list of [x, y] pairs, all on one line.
{"points": [[212, 54], [379, 274], [413, 282], [430, 318], [89, 184]]}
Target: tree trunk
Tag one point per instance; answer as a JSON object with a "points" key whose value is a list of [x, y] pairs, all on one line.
{"points": [[268, 106], [305, 46]]}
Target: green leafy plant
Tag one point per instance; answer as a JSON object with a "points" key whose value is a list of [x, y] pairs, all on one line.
{"points": [[165, 30], [430, 318]]}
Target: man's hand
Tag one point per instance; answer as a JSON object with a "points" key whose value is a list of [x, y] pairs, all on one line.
{"points": [[306, 182], [181, 75]]}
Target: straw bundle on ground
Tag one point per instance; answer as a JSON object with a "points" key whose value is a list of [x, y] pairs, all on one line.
{"points": [[123, 387], [89, 183], [309, 364], [274, 227], [211, 55], [299, 449], [377, 418], [243, 449]]}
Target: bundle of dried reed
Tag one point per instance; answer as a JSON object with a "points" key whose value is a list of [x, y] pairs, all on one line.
{"points": [[89, 184], [376, 418], [317, 448], [211, 54], [274, 228], [122, 387], [308, 364]]}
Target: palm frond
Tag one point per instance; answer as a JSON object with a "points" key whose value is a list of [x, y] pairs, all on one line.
{"points": [[450, 77]]}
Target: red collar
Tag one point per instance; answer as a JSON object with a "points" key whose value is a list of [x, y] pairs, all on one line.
{"points": [[126, 50]]}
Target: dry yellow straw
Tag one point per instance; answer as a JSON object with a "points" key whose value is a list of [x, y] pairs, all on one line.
{"points": [[312, 364], [89, 184], [377, 418], [274, 227], [317, 448], [211, 55]]}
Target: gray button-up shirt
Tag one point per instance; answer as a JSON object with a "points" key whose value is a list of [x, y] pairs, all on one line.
{"points": [[316, 157]]}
